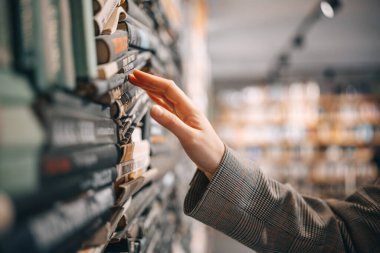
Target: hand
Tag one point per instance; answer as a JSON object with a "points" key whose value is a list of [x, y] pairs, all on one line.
{"points": [[176, 112]]}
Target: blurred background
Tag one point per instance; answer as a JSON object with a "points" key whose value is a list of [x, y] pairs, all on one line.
{"points": [[295, 86]]}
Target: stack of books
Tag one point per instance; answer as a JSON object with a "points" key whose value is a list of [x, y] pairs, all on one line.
{"points": [[76, 170]]}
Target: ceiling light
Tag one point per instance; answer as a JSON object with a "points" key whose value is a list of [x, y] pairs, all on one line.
{"points": [[329, 7]]}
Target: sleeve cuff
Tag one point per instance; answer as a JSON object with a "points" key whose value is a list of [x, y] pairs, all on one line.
{"points": [[201, 187]]}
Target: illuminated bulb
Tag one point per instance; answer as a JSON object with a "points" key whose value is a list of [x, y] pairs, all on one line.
{"points": [[327, 9]]}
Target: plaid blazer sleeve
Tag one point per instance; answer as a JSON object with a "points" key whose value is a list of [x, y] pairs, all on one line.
{"points": [[271, 217]]}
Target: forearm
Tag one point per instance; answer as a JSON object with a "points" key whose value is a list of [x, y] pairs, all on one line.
{"points": [[259, 212]]}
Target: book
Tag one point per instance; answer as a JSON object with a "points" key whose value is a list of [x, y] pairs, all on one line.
{"points": [[66, 161], [132, 169], [67, 127], [124, 62], [121, 106], [30, 203], [112, 95], [112, 89], [140, 161], [129, 188], [140, 15], [66, 76], [53, 35], [143, 59], [67, 104], [19, 147], [25, 36], [6, 55], [101, 18], [15, 89], [138, 38], [51, 230], [117, 15], [76, 242], [133, 118], [100, 239], [19, 174], [97, 88], [83, 39], [111, 47], [130, 176], [134, 150], [140, 201], [42, 42]]}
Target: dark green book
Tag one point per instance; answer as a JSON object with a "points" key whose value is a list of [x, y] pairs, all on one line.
{"points": [[83, 39]]}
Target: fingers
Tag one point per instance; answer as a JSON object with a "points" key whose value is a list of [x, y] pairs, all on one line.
{"points": [[161, 87], [161, 102], [171, 122]]}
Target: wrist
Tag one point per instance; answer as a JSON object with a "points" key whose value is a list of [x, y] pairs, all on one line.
{"points": [[219, 154]]}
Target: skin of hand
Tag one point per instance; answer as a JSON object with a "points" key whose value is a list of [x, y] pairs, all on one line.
{"points": [[176, 112]]}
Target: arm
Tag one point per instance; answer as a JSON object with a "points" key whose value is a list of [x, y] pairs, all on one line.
{"points": [[271, 217], [233, 196]]}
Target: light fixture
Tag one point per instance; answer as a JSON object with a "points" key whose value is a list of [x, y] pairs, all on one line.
{"points": [[329, 7]]}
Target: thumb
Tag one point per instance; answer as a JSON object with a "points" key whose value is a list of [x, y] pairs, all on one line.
{"points": [[170, 121]]}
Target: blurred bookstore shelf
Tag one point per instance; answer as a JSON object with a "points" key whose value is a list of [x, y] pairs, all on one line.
{"points": [[323, 144], [83, 168]]}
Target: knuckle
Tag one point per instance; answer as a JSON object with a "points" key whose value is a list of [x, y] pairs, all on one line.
{"points": [[172, 83]]}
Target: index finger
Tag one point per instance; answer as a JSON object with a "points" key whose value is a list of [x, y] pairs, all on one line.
{"points": [[162, 87]]}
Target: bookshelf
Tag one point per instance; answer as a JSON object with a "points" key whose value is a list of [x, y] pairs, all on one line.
{"points": [[323, 144], [83, 167]]}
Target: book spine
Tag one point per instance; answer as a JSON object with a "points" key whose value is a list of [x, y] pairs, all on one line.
{"points": [[121, 106], [21, 92], [61, 189], [141, 161], [128, 68], [143, 199], [112, 83], [66, 76], [135, 115], [97, 89], [140, 15], [111, 47], [83, 39], [107, 70], [139, 38], [66, 131], [143, 60], [47, 64], [47, 232], [24, 31], [19, 148], [6, 56], [75, 106], [59, 162], [115, 93]]}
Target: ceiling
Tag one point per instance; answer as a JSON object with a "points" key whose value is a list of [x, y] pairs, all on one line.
{"points": [[245, 37]]}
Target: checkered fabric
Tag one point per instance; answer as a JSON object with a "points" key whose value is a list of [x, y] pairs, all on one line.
{"points": [[271, 217]]}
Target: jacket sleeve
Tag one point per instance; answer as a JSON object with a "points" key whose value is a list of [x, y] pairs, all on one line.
{"points": [[271, 217]]}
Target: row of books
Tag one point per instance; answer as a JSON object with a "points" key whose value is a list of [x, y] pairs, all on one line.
{"points": [[76, 143]]}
